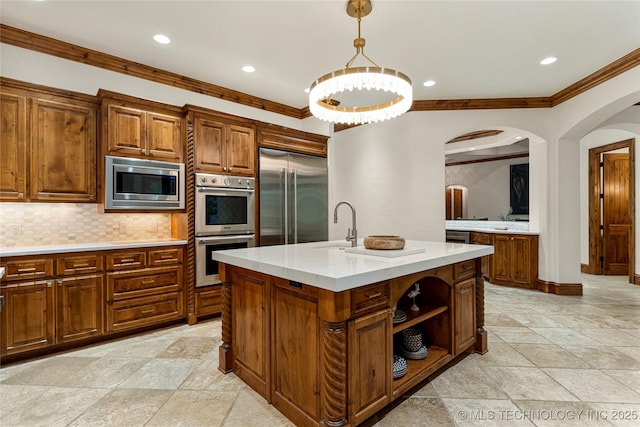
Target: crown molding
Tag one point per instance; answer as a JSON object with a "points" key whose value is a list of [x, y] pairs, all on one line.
{"points": [[27, 40]]}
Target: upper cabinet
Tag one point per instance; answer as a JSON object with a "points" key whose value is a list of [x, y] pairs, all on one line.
{"points": [[142, 129], [223, 146], [48, 144], [281, 138]]}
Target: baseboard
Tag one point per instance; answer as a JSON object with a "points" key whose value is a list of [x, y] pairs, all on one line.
{"points": [[585, 268], [559, 288]]}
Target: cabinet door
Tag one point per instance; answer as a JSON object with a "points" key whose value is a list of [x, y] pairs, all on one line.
{"points": [[126, 132], [241, 150], [501, 267], [27, 316], [63, 156], [79, 308], [164, 141], [465, 315], [13, 146], [370, 365], [521, 259], [209, 145]]}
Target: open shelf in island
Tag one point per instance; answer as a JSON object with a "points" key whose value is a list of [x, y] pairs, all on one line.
{"points": [[414, 317], [418, 370]]}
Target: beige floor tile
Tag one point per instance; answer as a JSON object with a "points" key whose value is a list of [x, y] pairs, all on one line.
{"points": [[528, 384], [617, 414], [206, 376], [427, 390], [167, 374], [611, 337], [480, 412], [194, 409], [591, 385], [502, 354], [250, 408], [500, 319], [150, 347], [123, 407], [632, 331], [517, 335], [629, 378], [564, 336], [560, 414], [107, 372], [57, 406], [190, 348], [467, 380], [630, 351], [604, 357], [535, 320], [54, 371], [18, 397], [417, 412], [550, 356]]}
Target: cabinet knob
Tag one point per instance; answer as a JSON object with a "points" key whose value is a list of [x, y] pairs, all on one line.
{"points": [[59, 281]]}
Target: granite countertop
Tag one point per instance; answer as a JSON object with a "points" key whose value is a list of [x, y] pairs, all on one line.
{"points": [[330, 265], [502, 227], [81, 247]]}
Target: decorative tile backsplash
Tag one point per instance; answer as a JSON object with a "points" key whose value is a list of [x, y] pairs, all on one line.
{"points": [[34, 224]]}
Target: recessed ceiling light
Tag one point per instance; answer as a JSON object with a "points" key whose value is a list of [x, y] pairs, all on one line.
{"points": [[248, 69], [429, 83], [518, 137], [549, 60], [162, 39], [307, 90]]}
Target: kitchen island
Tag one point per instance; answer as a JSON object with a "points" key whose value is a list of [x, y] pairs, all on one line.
{"points": [[314, 327]]}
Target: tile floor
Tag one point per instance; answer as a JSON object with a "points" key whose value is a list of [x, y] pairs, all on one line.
{"points": [[552, 361]]}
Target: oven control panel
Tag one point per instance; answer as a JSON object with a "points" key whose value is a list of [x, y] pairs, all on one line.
{"points": [[224, 181]]}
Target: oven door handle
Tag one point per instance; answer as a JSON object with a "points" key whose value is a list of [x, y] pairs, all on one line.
{"points": [[224, 190], [205, 240]]}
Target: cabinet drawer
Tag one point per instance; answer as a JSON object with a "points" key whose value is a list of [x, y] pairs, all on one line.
{"points": [[373, 296], [79, 264], [131, 284], [165, 256], [138, 312], [209, 301], [126, 260], [464, 270], [481, 239], [27, 268]]}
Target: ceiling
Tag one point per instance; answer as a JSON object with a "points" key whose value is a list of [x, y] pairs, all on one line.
{"points": [[472, 49]]}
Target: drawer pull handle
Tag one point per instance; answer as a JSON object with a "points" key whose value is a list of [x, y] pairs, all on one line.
{"points": [[148, 282], [166, 257], [86, 264], [148, 311], [26, 270], [467, 267], [127, 260], [374, 295]]}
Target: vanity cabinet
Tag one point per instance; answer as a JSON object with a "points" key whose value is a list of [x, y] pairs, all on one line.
{"points": [[142, 129], [222, 146], [49, 140]]}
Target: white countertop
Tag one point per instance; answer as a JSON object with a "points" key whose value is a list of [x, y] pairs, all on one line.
{"points": [[502, 227], [326, 264], [82, 247]]}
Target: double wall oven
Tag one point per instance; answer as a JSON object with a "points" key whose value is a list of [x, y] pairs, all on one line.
{"points": [[224, 219]]}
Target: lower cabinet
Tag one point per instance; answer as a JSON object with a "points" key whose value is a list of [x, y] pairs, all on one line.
{"points": [[208, 300], [465, 319], [61, 300]]}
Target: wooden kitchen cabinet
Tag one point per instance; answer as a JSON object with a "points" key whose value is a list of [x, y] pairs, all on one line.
{"points": [[223, 147], [465, 321], [142, 129], [48, 144], [370, 382], [79, 307], [515, 260], [13, 148]]}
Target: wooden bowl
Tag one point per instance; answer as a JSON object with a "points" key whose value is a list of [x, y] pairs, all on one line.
{"points": [[384, 242]]}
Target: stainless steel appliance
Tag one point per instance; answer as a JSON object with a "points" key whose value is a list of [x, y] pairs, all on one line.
{"points": [[137, 184], [224, 219], [206, 267], [455, 236], [293, 198]]}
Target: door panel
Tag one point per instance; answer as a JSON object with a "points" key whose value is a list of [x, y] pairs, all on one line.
{"points": [[615, 214], [273, 166], [310, 198]]}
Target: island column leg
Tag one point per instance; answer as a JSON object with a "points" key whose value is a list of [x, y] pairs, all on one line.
{"points": [[481, 334], [334, 379], [225, 363]]}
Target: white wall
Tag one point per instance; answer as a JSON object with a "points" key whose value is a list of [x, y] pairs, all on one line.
{"points": [[488, 185]]}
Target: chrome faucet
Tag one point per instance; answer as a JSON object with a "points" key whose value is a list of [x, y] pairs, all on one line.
{"points": [[352, 233]]}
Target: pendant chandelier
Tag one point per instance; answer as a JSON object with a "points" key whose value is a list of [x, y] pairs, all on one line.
{"points": [[376, 93]]}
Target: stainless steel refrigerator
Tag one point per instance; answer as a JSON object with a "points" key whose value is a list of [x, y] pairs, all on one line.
{"points": [[293, 198]]}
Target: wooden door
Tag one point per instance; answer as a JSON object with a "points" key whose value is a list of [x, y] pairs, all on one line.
{"points": [[79, 307], [370, 365], [13, 147], [453, 202], [501, 265], [465, 315], [127, 130], [521, 260], [241, 150], [63, 152], [209, 145], [27, 316], [615, 214], [164, 141]]}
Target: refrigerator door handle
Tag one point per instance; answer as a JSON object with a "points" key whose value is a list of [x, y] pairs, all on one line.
{"points": [[294, 174], [283, 174]]}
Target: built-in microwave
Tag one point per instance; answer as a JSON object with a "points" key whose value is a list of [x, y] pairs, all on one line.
{"points": [[138, 184]]}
